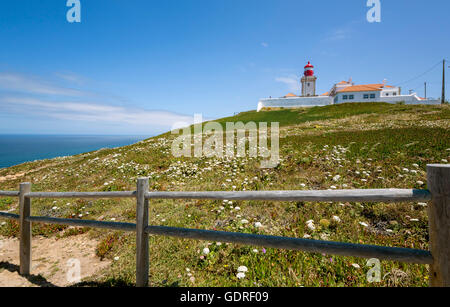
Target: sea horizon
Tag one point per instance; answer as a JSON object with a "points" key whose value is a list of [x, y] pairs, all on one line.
{"points": [[16, 149]]}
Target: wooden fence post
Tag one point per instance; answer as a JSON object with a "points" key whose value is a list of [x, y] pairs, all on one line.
{"points": [[142, 246], [439, 219], [25, 229]]}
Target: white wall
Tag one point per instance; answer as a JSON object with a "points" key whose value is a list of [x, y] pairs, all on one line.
{"points": [[408, 99], [295, 102], [394, 91], [358, 97], [320, 101]]}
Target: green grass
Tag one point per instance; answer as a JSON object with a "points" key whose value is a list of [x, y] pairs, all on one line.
{"points": [[367, 145], [288, 117]]}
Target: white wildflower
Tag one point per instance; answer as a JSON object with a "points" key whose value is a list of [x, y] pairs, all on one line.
{"points": [[336, 218], [310, 225], [240, 275], [324, 236], [242, 269]]}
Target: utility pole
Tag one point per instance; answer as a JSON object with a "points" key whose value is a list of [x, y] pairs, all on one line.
{"points": [[443, 82]]}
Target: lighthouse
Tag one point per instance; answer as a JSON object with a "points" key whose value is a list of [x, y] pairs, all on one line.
{"points": [[309, 81]]}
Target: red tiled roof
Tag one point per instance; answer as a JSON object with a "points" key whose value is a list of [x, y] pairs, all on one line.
{"points": [[363, 88], [290, 95]]}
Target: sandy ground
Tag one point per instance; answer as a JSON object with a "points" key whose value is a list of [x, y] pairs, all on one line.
{"points": [[54, 262], [22, 174]]}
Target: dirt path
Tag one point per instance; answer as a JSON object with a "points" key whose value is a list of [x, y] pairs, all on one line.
{"points": [[54, 262], [34, 170], [22, 174]]}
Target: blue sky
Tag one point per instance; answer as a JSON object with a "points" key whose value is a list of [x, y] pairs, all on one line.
{"points": [[136, 67]]}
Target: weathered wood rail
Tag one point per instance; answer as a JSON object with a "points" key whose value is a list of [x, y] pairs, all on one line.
{"points": [[439, 222]]}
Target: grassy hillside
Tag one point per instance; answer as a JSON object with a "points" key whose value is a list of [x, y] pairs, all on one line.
{"points": [[343, 146]]}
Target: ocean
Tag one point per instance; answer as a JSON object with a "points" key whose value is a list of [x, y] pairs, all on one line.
{"points": [[17, 149]]}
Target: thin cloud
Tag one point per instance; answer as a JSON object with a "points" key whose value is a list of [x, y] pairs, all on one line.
{"points": [[32, 97], [343, 32], [92, 112], [25, 84], [265, 45], [339, 34], [70, 77], [291, 81]]}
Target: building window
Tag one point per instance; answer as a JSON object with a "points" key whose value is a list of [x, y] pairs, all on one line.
{"points": [[351, 97], [372, 96], [366, 96], [345, 97], [387, 94], [395, 94]]}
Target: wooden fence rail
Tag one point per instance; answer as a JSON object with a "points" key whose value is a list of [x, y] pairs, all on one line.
{"points": [[439, 222]]}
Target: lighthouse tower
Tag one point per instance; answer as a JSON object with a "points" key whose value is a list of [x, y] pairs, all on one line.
{"points": [[309, 81]]}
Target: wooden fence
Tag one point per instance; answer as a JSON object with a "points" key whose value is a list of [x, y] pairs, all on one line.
{"points": [[439, 222]]}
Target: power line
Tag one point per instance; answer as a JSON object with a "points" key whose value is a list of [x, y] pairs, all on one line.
{"points": [[421, 75]]}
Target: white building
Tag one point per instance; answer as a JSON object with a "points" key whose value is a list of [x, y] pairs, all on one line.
{"points": [[342, 92]]}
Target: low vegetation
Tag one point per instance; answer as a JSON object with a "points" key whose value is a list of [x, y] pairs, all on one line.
{"points": [[334, 147]]}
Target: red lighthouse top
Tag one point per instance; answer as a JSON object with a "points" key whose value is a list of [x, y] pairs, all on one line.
{"points": [[309, 70]]}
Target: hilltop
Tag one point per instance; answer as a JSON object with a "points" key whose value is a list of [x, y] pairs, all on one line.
{"points": [[340, 146]]}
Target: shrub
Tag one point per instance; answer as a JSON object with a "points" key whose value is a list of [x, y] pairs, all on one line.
{"points": [[106, 245]]}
